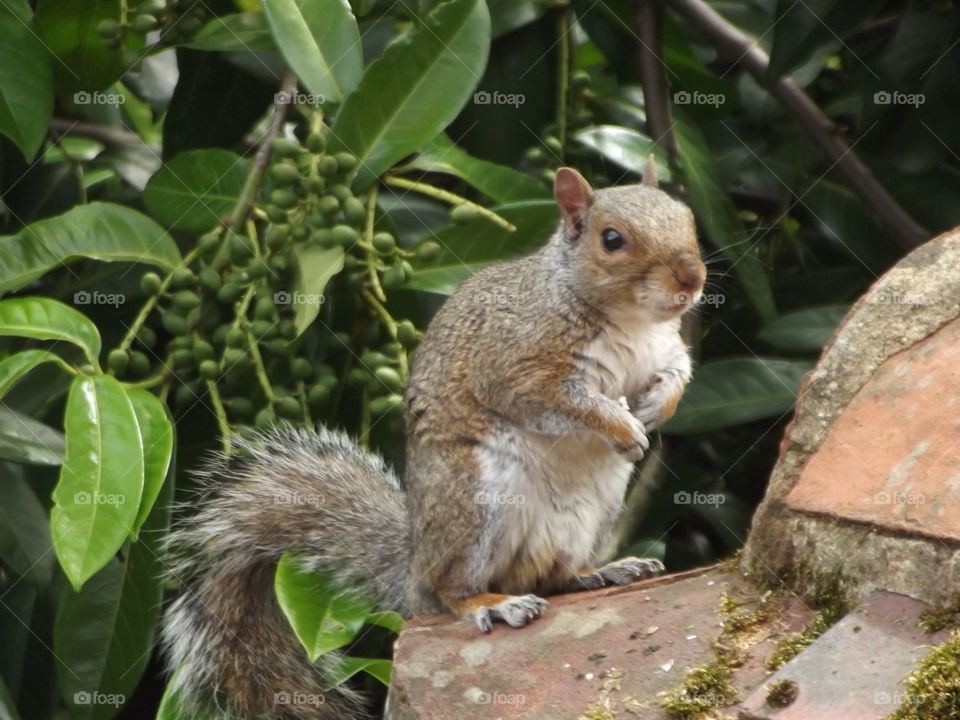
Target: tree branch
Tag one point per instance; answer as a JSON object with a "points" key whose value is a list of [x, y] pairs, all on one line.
{"points": [[729, 40], [650, 57]]}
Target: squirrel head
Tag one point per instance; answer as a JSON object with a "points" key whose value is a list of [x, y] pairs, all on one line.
{"points": [[634, 248]]}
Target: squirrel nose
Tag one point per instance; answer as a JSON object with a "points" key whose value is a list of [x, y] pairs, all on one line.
{"points": [[689, 275]]}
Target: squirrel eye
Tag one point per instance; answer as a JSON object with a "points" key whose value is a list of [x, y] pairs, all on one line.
{"points": [[612, 240]]}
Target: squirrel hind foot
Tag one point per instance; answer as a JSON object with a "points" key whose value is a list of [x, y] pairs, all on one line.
{"points": [[486, 608], [628, 569]]}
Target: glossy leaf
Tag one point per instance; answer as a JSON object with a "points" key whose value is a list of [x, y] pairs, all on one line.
{"points": [[26, 79], [733, 391], [468, 248], [804, 330], [104, 633], [625, 147], [717, 214], [347, 667], [498, 182], [314, 268], [387, 619], [320, 41], [415, 89], [101, 231], [101, 481], [25, 440], [24, 530], [47, 319], [240, 31], [156, 436], [197, 189], [16, 366], [323, 616]]}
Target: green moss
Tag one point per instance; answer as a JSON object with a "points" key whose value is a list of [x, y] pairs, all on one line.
{"points": [[595, 712], [702, 691], [781, 693], [933, 689], [941, 617]]}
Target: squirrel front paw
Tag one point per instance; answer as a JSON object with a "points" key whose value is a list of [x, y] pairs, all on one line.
{"points": [[634, 449], [515, 611], [657, 404]]}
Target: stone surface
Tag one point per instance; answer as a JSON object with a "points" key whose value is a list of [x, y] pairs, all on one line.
{"points": [[613, 648], [823, 513], [854, 671]]}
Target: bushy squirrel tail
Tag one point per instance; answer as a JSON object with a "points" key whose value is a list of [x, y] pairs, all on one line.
{"points": [[312, 492]]}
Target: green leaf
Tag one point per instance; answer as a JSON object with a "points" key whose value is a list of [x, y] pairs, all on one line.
{"points": [[804, 330], [719, 217], [320, 41], [625, 147], [46, 319], [314, 268], [156, 436], [734, 391], [467, 248], [16, 366], [25, 440], [101, 481], [197, 189], [323, 616], [26, 79], [387, 619], [501, 183], [104, 633], [415, 89], [238, 32], [24, 530], [101, 231], [8, 708], [348, 666]]}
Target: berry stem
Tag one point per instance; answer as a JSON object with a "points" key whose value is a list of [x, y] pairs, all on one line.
{"points": [[368, 245], [221, 414], [448, 197]]}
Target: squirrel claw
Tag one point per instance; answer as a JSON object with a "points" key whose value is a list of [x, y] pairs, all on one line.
{"points": [[515, 611], [628, 569]]}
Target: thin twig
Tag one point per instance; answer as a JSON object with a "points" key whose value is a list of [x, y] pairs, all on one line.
{"points": [[101, 133], [730, 41], [656, 100]]}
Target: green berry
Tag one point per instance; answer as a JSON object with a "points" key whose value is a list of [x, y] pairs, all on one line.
{"points": [[241, 249], [300, 232], [208, 244], [464, 213], [343, 235], [233, 357], [580, 79], [300, 368], [202, 350], [239, 407], [151, 7], [277, 346], [276, 214], [284, 174], [289, 408], [340, 191], [316, 143], [139, 364], [536, 156], [109, 29], [324, 237], [174, 323], [264, 309], [229, 293], [184, 342], [185, 300], [384, 243], [327, 166], [314, 185], [209, 279], [284, 198], [285, 147], [354, 211], [183, 278], [393, 277], [373, 359], [185, 395], [150, 283], [278, 263], [209, 370], [261, 329], [429, 251], [357, 377], [236, 338], [390, 378], [318, 394], [143, 23], [118, 360], [345, 161], [277, 237], [328, 205], [182, 359], [257, 268], [265, 418], [147, 337], [287, 329], [386, 404], [407, 333], [553, 145]]}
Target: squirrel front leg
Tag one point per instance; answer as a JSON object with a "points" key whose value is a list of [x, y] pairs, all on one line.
{"points": [[657, 403]]}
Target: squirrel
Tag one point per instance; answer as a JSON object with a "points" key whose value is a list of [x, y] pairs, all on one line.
{"points": [[532, 393]]}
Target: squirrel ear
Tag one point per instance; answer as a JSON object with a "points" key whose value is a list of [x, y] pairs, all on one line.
{"points": [[574, 197], [650, 172]]}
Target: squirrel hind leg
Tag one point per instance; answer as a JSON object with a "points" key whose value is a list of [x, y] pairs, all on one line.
{"points": [[619, 572], [485, 608]]}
